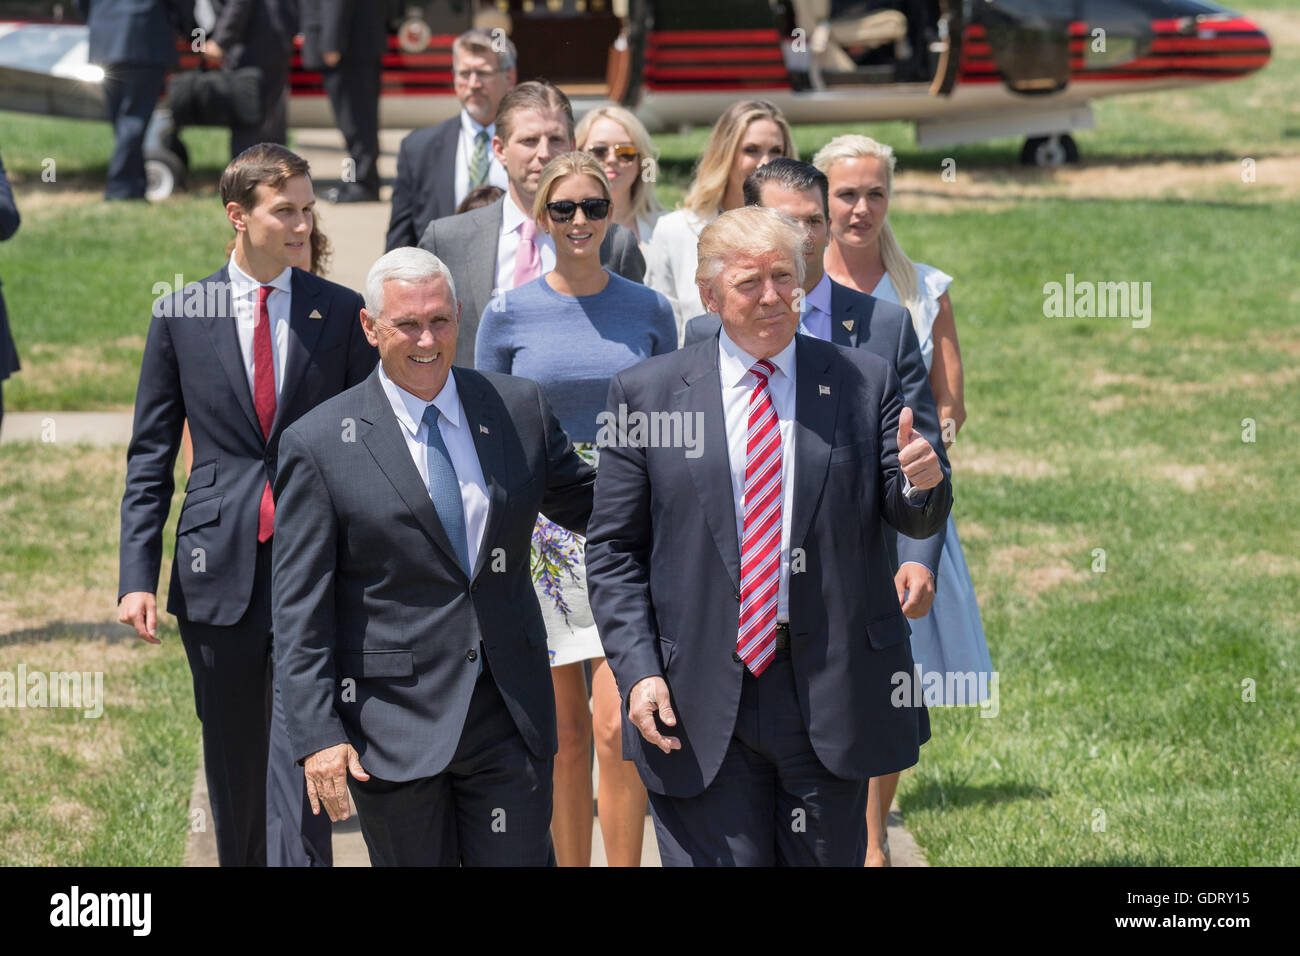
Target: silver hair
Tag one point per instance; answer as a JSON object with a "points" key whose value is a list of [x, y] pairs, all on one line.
{"points": [[487, 41], [405, 262]]}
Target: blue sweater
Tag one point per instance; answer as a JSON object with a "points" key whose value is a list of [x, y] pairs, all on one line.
{"points": [[573, 345]]}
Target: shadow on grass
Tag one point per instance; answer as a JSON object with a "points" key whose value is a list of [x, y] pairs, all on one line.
{"points": [[940, 795], [112, 631]]}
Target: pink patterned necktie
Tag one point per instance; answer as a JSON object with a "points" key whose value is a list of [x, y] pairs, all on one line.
{"points": [[528, 259], [760, 550]]}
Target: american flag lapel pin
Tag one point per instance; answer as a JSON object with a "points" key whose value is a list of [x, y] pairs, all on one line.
{"points": [[483, 430], [823, 389]]}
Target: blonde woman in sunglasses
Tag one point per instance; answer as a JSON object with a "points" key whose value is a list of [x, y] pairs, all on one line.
{"points": [[629, 159], [572, 330]]}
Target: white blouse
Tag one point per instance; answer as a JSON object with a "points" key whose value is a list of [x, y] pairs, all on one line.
{"points": [[670, 263], [931, 283]]}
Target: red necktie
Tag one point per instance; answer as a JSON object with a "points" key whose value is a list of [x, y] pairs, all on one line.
{"points": [[760, 549], [264, 401]]}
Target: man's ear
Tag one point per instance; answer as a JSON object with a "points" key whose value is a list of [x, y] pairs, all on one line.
{"points": [[499, 149], [368, 327], [707, 297], [235, 213]]}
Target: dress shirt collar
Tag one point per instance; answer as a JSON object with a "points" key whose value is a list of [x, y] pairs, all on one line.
{"points": [[734, 362], [409, 408], [820, 296], [470, 127], [512, 217], [241, 283]]}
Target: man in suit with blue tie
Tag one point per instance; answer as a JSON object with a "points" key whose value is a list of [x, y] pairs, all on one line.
{"points": [[241, 355], [414, 654], [742, 586], [437, 166], [847, 317]]}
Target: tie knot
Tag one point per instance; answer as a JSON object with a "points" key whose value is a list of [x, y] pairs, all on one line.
{"points": [[430, 416], [480, 138], [263, 293], [528, 230], [763, 369]]}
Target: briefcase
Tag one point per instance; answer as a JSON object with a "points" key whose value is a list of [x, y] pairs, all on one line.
{"points": [[216, 97]]}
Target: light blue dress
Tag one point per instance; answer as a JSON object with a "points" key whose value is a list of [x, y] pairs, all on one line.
{"points": [[948, 644]]}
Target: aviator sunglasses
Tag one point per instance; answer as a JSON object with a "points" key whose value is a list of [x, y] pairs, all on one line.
{"points": [[622, 152], [563, 210]]}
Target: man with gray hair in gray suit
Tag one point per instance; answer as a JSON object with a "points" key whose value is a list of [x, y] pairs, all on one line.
{"points": [[410, 643]]}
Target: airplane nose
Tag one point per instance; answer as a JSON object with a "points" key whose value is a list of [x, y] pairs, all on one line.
{"points": [[1219, 45]]}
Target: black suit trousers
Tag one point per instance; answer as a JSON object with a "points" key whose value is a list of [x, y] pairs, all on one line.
{"points": [[260, 809], [490, 807], [132, 93], [353, 89]]}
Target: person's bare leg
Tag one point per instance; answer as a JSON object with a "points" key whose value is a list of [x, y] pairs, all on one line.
{"points": [[573, 813], [880, 797], [621, 794]]}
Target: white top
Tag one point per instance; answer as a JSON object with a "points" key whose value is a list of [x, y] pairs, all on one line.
{"points": [[464, 153], [454, 428], [243, 303], [512, 217], [645, 230], [931, 283], [670, 263], [738, 382]]}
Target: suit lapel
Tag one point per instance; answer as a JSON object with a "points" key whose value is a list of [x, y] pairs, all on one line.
{"points": [[483, 425], [845, 321], [711, 472], [388, 447], [817, 396], [220, 323], [305, 299]]}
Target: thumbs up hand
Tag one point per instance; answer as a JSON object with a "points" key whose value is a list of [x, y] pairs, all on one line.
{"points": [[915, 455]]}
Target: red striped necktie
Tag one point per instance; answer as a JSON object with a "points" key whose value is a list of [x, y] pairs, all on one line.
{"points": [[760, 550], [264, 401]]}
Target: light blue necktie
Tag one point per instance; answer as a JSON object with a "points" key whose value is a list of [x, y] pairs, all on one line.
{"points": [[444, 489]]}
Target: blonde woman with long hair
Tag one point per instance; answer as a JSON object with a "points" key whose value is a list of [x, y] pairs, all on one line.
{"points": [[864, 254], [572, 330], [746, 136], [621, 145]]}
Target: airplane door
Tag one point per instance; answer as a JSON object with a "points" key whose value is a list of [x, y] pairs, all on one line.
{"points": [[1030, 41]]}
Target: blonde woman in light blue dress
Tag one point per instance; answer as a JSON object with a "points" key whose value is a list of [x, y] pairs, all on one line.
{"points": [[947, 634]]}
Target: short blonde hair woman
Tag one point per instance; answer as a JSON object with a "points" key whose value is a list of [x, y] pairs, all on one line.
{"points": [[621, 144], [746, 136], [865, 255]]}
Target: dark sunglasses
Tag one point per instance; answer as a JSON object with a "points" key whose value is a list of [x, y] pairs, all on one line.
{"points": [[563, 210], [622, 152]]}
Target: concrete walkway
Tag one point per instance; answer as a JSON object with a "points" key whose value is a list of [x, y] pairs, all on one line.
{"points": [[350, 847]]}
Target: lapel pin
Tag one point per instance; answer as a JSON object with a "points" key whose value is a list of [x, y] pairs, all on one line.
{"points": [[315, 314], [823, 389], [482, 430], [848, 325]]}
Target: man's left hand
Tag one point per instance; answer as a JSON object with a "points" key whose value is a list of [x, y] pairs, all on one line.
{"points": [[916, 456], [916, 583], [332, 57]]}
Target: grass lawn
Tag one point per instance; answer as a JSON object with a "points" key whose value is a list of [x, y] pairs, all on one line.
{"points": [[111, 790]]}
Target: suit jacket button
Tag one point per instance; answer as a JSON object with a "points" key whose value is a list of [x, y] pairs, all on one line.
{"points": [[474, 586], [735, 656], [472, 655]]}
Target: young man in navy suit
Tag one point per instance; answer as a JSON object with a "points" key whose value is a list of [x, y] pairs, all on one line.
{"points": [[241, 355]]}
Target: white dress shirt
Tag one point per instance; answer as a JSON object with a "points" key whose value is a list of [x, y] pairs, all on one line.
{"points": [[454, 427], [465, 152], [738, 382], [243, 303], [512, 217], [817, 310]]}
